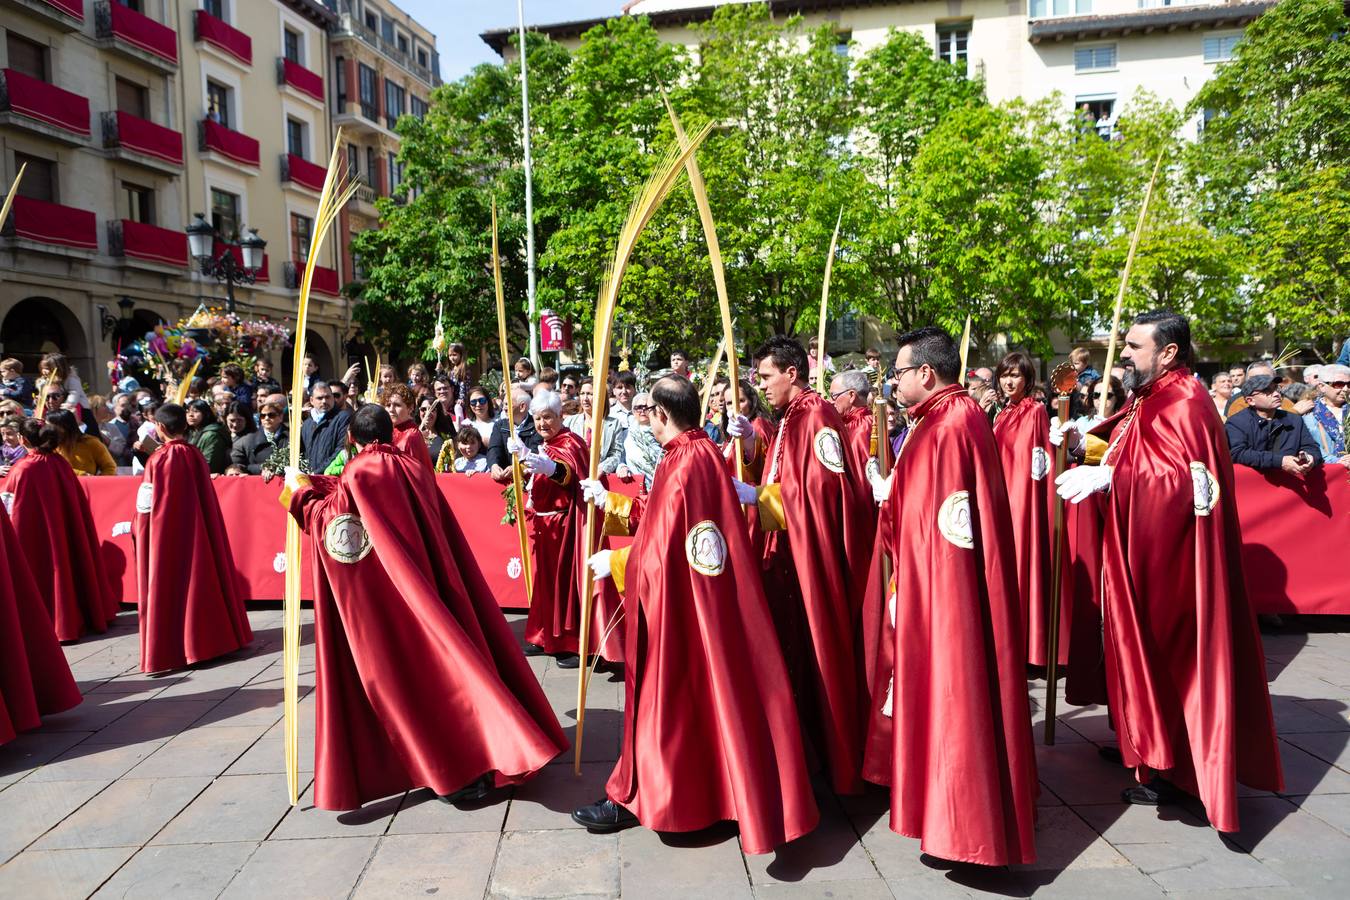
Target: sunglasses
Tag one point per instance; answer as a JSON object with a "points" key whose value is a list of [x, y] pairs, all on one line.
{"points": [[271, 415], [641, 407], [478, 401], [1337, 384]]}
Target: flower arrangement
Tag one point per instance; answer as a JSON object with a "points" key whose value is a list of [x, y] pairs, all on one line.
{"points": [[211, 335]]}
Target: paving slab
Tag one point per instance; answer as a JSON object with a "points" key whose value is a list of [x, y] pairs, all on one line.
{"points": [[542, 865], [180, 872], [205, 751], [154, 719], [703, 864], [1123, 823], [26, 752], [125, 814], [300, 870], [1306, 774], [60, 874], [305, 820], [423, 813], [1180, 867], [96, 762], [232, 808], [833, 890], [546, 801], [449, 866], [1274, 828], [30, 808], [1064, 842], [833, 852]]}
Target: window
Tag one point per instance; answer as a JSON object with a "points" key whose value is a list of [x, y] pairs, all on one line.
{"points": [[301, 229], [1099, 112], [367, 78], [353, 161], [372, 21], [28, 57], [1220, 47], [131, 98], [421, 57], [291, 43], [951, 43], [140, 203], [1041, 9], [387, 29], [841, 42], [395, 173], [417, 106], [39, 180], [393, 102], [215, 8], [225, 214], [340, 82], [372, 167], [132, 4], [1093, 59], [295, 138], [218, 104], [402, 44]]}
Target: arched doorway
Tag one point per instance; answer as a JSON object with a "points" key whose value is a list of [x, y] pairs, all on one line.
{"points": [[318, 348], [37, 326]]}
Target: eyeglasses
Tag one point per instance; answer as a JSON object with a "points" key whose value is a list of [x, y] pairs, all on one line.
{"points": [[1337, 384], [478, 401], [900, 370], [838, 394], [642, 407], [271, 415]]}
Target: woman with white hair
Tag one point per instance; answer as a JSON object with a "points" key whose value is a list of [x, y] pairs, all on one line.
{"points": [[1328, 420], [641, 450]]}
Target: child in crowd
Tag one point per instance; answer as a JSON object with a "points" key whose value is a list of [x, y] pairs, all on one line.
{"points": [[468, 457]]}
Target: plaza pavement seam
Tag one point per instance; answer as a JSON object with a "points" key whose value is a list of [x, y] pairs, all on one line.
{"points": [[497, 848]]}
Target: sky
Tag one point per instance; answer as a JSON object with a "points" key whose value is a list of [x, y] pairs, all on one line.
{"points": [[457, 24]]}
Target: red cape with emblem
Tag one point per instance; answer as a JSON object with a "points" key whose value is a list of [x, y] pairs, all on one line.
{"points": [[557, 516], [420, 681], [710, 732], [1184, 666], [815, 573], [55, 527], [858, 423], [1022, 432], [950, 724], [35, 679], [191, 600]]}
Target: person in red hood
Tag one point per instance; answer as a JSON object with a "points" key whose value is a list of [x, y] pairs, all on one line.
{"points": [[420, 681], [710, 732], [950, 723], [191, 604], [1185, 674], [851, 393], [813, 504]]}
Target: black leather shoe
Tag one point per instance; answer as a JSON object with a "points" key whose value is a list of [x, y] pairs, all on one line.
{"points": [[1156, 793], [533, 650], [473, 792], [1111, 754], [604, 817], [571, 661]]}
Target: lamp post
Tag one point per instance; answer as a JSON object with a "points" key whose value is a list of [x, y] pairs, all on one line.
{"points": [[202, 237]]}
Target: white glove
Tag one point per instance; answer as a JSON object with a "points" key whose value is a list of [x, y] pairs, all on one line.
{"points": [[538, 463], [1082, 482], [600, 564], [1061, 431], [881, 487], [739, 426], [292, 479], [515, 446], [594, 493], [745, 493]]}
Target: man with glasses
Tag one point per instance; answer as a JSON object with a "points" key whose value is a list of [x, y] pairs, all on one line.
{"points": [[254, 450], [1263, 436], [324, 433], [851, 393], [1328, 421]]}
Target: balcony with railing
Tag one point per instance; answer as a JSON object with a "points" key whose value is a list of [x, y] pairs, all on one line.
{"points": [[350, 26], [141, 141], [67, 15], [262, 276], [27, 102], [300, 171], [52, 225], [292, 74], [136, 36], [325, 280], [223, 36], [227, 145], [137, 242]]}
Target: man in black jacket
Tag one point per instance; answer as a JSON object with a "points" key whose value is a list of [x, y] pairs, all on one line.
{"points": [[498, 457], [1264, 436], [324, 433]]}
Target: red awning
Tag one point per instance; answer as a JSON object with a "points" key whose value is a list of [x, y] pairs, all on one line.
{"points": [[47, 103], [50, 223], [73, 8], [143, 136], [239, 147], [220, 33], [302, 79], [305, 173], [160, 245], [143, 32]]}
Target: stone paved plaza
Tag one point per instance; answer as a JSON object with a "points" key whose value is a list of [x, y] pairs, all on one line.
{"points": [[173, 787]]}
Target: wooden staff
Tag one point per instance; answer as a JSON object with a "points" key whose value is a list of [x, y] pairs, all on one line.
{"points": [[517, 481], [825, 306], [1062, 380], [965, 351], [1124, 284], [13, 192], [711, 377], [653, 192]]}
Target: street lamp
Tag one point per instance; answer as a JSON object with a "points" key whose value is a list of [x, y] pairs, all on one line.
{"points": [[202, 237], [116, 327]]}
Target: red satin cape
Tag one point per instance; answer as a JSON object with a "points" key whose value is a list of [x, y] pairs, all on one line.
{"points": [[710, 730], [858, 422], [408, 438], [191, 603], [420, 681]]}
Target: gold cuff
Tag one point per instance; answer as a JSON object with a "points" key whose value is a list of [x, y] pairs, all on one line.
{"points": [[1094, 450], [617, 509], [562, 476], [618, 567], [285, 498], [770, 502]]}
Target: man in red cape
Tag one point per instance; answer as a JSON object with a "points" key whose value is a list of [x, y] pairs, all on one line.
{"points": [[820, 523], [191, 609], [1184, 667], [557, 516], [35, 678], [420, 681], [710, 732], [55, 528], [950, 724], [851, 393]]}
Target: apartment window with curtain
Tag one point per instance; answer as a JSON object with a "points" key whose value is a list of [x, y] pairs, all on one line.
{"points": [[131, 99], [215, 8], [1219, 47], [367, 77], [1043, 9], [39, 179], [417, 106], [1094, 59], [302, 228], [353, 161], [340, 82], [225, 214], [28, 57], [291, 44], [295, 138], [393, 102], [140, 203]]}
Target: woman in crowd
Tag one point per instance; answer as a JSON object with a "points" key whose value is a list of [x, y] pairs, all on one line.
{"points": [[579, 422], [752, 407], [11, 445], [1221, 389], [715, 426], [86, 454], [1022, 432], [57, 371], [482, 412], [208, 435], [399, 402], [437, 425], [55, 526], [254, 450], [238, 422], [448, 399], [641, 449]]}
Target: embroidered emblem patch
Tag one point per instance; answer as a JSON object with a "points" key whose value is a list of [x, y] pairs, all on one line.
{"points": [[829, 449], [7, 498], [706, 549], [1206, 489], [514, 569], [145, 497], [1040, 463], [279, 564], [954, 520], [121, 528], [346, 539]]}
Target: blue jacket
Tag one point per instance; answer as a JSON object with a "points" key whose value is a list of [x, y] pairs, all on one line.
{"points": [[1262, 443]]}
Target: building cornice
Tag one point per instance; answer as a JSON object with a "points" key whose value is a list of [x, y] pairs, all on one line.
{"points": [[1146, 21]]}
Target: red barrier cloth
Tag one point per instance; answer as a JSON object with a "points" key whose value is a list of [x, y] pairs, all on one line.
{"points": [[51, 223], [221, 34], [60, 544], [232, 144], [35, 678], [144, 136], [302, 79], [306, 174], [73, 8], [1295, 532], [143, 32], [325, 280], [148, 242], [47, 103]]}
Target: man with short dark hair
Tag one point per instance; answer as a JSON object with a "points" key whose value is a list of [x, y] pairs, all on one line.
{"points": [[190, 609], [324, 433], [339, 391], [696, 620], [679, 364], [1184, 667], [1263, 436]]}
